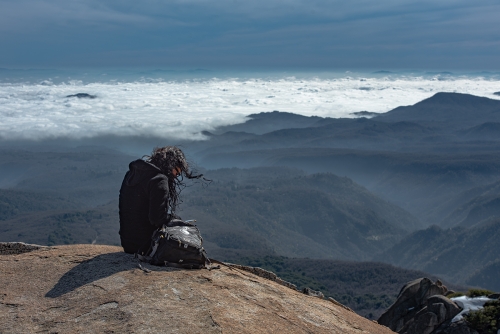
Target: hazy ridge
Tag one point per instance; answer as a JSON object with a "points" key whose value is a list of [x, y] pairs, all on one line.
{"points": [[352, 189]]}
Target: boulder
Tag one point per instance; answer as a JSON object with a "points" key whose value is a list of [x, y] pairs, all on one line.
{"points": [[11, 248], [494, 296], [459, 327], [444, 307], [314, 293], [411, 300], [438, 310]]}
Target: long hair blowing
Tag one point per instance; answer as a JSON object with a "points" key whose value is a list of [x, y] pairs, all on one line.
{"points": [[166, 159]]}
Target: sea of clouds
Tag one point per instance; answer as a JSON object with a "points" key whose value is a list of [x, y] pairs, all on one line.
{"points": [[182, 108]]}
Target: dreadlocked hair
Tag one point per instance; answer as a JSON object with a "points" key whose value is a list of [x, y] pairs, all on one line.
{"points": [[166, 159]]}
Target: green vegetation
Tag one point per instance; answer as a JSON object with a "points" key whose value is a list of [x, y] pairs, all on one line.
{"points": [[66, 224], [487, 319], [59, 236], [471, 293], [61, 227], [15, 202], [478, 292], [368, 288], [455, 294]]}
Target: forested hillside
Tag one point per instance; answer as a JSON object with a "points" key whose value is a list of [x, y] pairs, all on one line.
{"points": [[320, 215], [369, 288], [420, 157], [474, 206], [274, 210], [460, 254]]}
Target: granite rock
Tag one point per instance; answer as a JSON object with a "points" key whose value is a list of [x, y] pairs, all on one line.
{"points": [[100, 289], [411, 300]]}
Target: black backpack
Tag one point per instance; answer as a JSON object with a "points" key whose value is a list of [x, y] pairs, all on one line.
{"points": [[178, 244]]}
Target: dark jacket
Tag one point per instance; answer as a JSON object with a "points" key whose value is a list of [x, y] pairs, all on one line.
{"points": [[143, 205]]}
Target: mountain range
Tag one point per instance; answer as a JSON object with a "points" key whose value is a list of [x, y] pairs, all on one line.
{"points": [[437, 159], [417, 187]]}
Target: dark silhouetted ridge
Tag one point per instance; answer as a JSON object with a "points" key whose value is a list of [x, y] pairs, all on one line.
{"points": [[453, 108], [271, 121]]}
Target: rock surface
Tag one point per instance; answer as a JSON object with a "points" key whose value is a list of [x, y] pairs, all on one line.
{"points": [[314, 293], [459, 327], [11, 248], [91, 288], [438, 310], [420, 308]]}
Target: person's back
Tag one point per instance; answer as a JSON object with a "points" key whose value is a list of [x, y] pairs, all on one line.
{"points": [[149, 195], [143, 185]]}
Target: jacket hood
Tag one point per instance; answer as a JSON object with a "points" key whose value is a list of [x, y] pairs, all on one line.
{"points": [[140, 170]]}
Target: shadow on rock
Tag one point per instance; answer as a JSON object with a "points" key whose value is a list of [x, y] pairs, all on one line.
{"points": [[91, 270]]}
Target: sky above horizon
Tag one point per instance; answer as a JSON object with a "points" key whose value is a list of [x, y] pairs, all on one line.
{"points": [[325, 34]]}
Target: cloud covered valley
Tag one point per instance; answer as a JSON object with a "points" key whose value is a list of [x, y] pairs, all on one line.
{"points": [[182, 108]]}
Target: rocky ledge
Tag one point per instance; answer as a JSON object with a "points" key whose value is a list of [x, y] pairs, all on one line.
{"points": [[98, 289]]}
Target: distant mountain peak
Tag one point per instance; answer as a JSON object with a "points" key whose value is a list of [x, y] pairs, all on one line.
{"points": [[449, 97], [279, 114], [456, 109], [269, 121]]}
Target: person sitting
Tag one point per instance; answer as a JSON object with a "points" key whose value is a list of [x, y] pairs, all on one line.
{"points": [[149, 196]]}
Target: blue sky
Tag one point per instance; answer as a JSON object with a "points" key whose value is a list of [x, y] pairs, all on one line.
{"points": [[315, 34]]}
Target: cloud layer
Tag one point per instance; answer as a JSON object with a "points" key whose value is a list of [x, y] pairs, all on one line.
{"points": [[183, 108]]}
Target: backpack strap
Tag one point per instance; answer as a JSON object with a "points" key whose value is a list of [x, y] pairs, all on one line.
{"points": [[208, 266], [184, 265], [143, 258], [153, 247], [146, 270]]}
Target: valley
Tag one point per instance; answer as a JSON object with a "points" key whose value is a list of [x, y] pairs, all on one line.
{"points": [[306, 197]]}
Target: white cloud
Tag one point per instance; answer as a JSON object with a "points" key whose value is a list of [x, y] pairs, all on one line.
{"points": [[469, 304], [183, 108]]}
